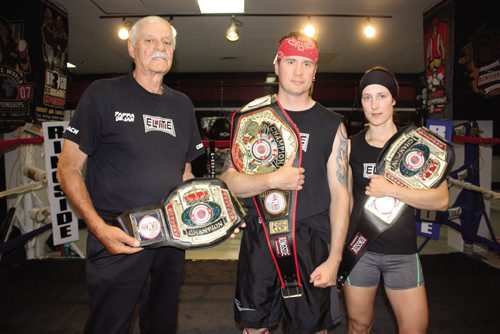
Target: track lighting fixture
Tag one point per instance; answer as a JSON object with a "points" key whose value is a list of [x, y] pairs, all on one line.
{"points": [[124, 29], [309, 29], [171, 22], [369, 30], [232, 33]]}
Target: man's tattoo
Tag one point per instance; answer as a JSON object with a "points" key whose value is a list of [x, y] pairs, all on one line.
{"points": [[342, 160], [227, 163]]}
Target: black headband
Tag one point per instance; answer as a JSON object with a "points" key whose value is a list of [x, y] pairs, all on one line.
{"points": [[379, 77]]}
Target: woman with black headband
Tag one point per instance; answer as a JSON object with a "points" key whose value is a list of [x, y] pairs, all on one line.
{"points": [[393, 254]]}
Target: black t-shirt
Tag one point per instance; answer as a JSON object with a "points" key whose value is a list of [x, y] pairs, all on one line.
{"points": [[318, 127], [137, 142], [399, 238]]}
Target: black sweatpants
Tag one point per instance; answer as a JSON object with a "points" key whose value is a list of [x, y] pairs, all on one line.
{"points": [[149, 279]]}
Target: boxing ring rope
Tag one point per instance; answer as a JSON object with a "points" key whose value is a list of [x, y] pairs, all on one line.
{"points": [[11, 143], [475, 140], [469, 207], [215, 143], [40, 182], [34, 173], [487, 194], [456, 179], [28, 213], [25, 188]]}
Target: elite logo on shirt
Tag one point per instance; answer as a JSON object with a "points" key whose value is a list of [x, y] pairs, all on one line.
{"points": [[304, 138], [155, 123], [124, 117], [369, 168]]}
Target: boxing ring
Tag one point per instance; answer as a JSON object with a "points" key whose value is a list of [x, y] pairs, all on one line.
{"points": [[32, 218], [27, 211], [469, 209]]}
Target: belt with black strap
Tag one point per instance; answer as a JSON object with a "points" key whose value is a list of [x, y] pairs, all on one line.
{"points": [[415, 158], [198, 213], [263, 137]]}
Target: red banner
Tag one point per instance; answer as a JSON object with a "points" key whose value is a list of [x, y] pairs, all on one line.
{"points": [[438, 52]]}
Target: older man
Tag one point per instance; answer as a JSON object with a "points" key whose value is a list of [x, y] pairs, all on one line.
{"points": [[138, 137]]}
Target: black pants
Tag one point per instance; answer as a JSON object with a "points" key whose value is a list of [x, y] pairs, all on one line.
{"points": [[258, 300], [117, 284]]}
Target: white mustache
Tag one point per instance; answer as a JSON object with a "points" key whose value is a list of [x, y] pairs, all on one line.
{"points": [[158, 54]]}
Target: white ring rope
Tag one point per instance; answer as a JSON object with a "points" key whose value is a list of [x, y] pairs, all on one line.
{"points": [[23, 189], [487, 194]]}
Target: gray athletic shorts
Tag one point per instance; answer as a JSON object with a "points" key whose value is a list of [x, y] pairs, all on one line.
{"points": [[399, 271]]}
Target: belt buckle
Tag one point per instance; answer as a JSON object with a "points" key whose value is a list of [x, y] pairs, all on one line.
{"points": [[292, 292]]}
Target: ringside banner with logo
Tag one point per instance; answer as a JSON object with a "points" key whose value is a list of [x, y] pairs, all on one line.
{"points": [[64, 218]]}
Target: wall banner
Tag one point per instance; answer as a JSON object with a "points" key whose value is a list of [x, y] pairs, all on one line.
{"points": [[438, 52], [33, 56]]}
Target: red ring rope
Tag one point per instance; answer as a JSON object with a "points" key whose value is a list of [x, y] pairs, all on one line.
{"points": [[8, 143], [475, 140], [218, 143]]}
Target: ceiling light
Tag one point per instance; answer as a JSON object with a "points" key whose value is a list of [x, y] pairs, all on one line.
{"points": [[69, 65], [369, 30], [124, 29], [221, 6], [232, 33], [171, 22], [309, 29]]}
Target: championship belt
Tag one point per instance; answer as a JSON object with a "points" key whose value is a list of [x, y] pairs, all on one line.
{"points": [[198, 213], [263, 138], [414, 158]]}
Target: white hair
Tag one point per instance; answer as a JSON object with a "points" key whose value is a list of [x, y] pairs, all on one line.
{"points": [[146, 20]]}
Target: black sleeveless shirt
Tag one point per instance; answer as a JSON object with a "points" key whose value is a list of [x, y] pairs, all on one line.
{"points": [[318, 127], [399, 238]]}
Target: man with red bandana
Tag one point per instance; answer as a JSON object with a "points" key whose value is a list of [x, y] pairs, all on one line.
{"points": [[321, 213]]}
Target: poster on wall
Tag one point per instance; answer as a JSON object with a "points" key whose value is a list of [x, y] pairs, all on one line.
{"points": [[477, 81], [438, 58], [54, 41], [33, 56], [476, 88], [480, 60], [16, 81]]}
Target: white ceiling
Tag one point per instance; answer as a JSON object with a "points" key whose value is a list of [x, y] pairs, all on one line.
{"points": [[202, 47]]}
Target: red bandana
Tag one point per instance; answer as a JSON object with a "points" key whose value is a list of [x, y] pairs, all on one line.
{"points": [[292, 46]]}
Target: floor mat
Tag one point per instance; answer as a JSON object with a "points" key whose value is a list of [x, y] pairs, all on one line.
{"points": [[49, 297]]}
